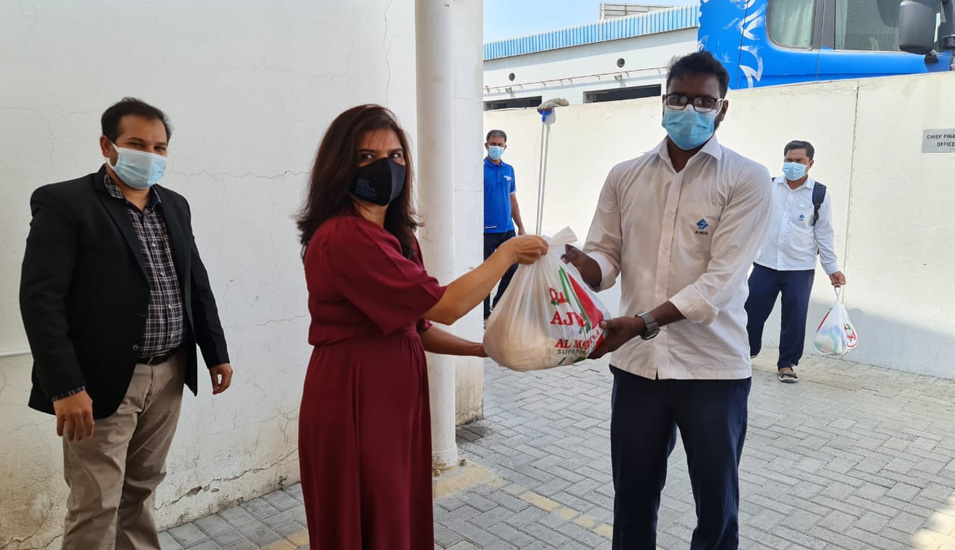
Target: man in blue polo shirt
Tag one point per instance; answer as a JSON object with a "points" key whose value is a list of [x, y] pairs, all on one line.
{"points": [[500, 207]]}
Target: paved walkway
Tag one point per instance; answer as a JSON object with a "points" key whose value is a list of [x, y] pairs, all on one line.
{"points": [[853, 457]]}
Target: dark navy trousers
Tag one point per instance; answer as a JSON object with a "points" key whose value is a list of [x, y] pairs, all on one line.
{"points": [[711, 416], [764, 286]]}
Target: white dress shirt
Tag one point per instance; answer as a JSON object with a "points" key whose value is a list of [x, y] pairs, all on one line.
{"points": [[791, 239], [688, 238]]}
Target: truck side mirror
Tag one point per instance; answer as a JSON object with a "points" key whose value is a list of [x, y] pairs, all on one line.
{"points": [[946, 30], [917, 19]]}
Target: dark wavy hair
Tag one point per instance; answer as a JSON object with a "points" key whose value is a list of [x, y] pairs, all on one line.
{"points": [[335, 166], [130, 106]]}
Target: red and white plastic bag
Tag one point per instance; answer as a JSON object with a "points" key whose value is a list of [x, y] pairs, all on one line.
{"points": [[836, 335], [548, 316]]}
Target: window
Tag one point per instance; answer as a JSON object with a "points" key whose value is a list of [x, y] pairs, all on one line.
{"points": [[516, 103], [618, 94], [867, 25], [790, 22]]}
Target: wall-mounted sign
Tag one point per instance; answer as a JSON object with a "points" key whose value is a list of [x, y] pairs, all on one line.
{"points": [[940, 140]]}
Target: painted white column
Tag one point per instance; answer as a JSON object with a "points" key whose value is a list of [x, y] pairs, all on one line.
{"points": [[469, 189], [436, 196]]}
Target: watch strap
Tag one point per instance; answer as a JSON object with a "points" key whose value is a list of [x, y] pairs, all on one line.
{"points": [[652, 327]]}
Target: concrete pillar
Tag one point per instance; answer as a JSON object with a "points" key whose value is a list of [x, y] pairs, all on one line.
{"points": [[468, 146], [436, 196]]}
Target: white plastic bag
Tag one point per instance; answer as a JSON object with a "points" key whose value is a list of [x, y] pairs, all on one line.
{"points": [[548, 316], [836, 335]]}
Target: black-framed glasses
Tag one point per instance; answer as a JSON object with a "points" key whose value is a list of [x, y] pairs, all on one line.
{"points": [[701, 104]]}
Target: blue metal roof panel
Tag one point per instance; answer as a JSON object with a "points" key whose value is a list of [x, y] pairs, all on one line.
{"points": [[674, 19]]}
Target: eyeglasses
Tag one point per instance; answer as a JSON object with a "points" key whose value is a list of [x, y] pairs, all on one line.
{"points": [[702, 104]]}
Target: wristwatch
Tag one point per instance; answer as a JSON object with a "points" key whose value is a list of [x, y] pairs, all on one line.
{"points": [[653, 328]]}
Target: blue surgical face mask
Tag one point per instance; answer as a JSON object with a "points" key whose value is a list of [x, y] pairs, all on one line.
{"points": [[495, 152], [138, 169], [688, 129], [794, 171]]}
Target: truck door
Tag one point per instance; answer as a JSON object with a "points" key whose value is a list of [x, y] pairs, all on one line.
{"points": [[764, 42], [861, 39]]}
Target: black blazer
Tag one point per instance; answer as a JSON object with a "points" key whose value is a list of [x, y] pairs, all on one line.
{"points": [[84, 293]]}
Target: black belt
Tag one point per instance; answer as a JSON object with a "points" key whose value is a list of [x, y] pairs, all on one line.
{"points": [[159, 359]]}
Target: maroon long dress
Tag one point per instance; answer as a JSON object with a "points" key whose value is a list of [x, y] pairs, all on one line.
{"points": [[365, 423]]}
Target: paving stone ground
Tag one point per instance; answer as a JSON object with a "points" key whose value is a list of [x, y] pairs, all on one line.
{"points": [[852, 457]]}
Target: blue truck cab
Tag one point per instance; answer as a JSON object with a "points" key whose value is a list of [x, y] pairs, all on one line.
{"points": [[773, 42]]}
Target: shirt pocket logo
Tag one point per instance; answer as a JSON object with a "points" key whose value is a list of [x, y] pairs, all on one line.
{"points": [[696, 228], [802, 217]]}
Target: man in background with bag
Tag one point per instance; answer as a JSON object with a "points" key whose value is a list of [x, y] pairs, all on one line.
{"points": [[681, 224], [800, 228]]}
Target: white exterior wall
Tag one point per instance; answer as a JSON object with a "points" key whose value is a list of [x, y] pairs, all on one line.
{"points": [[892, 203], [647, 58], [250, 88]]}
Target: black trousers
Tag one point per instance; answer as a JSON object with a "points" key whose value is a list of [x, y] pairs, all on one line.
{"points": [[491, 243]]}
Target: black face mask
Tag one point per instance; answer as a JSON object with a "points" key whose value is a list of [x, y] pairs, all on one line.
{"points": [[380, 182]]}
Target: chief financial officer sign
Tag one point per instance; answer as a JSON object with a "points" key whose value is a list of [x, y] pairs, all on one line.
{"points": [[940, 140]]}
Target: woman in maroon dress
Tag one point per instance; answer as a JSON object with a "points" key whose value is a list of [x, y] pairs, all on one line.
{"points": [[364, 427]]}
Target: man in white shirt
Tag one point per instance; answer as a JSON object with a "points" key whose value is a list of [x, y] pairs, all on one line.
{"points": [[801, 225], [681, 225]]}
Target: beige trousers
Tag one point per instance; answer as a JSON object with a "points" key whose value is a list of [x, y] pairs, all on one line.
{"points": [[114, 475]]}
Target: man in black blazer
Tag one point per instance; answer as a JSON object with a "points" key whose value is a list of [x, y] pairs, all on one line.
{"points": [[114, 299]]}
